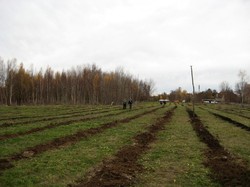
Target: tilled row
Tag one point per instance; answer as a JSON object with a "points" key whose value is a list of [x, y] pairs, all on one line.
{"points": [[54, 125], [67, 112], [231, 121], [83, 118], [226, 169], [237, 112], [65, 141], [232, 112], [123, 168], [65, 116]]}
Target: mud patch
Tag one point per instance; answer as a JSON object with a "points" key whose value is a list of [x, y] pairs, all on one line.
{"points": [[226, 169], [123, 169], [5, 164]]}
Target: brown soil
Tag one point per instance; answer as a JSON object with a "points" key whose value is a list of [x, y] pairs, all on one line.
{"points": [[123, 169], [226, 168], [5, 164], [65, 141]]}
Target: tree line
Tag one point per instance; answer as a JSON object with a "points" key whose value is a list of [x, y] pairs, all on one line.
{"points": [[240, 94], [85, 84]]}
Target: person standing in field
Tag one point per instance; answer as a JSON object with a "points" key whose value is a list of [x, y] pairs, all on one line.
{"points": [[164, 102], [130, 102]]}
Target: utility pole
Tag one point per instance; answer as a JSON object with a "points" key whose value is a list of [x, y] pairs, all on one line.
{"points": [[193, 88]]}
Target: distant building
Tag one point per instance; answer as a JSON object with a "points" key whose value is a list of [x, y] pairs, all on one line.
{"points": [[163, 101], [214, 101]]}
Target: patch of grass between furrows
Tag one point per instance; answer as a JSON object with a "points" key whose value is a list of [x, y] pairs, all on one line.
{"points": [[21, 129], [33, 122], [234, 139], [18, 144], [29, 129], [63, 166], [235, 115], [227, 169], [176, 158], [233, 109], [122, 169], [22, 113], [37, 125]]}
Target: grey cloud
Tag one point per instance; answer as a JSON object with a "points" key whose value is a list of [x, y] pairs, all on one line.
{"points": [[151, 39]]}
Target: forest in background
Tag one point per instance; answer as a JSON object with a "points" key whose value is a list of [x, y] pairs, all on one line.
{"points": [[81, 85], [88, 84], [241, 93]]}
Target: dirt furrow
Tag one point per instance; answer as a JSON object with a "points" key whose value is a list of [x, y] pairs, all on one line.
{"points": [[65, 116], [53, 125], [231, 121], [123, 168], [235, 112], [226, 168], [64, 141], [34, 116]]}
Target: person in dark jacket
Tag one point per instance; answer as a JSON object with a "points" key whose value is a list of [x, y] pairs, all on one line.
{"points": [[130, 102]]}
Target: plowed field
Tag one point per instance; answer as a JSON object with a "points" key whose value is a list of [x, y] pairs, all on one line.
{"points": [[149, 145]]}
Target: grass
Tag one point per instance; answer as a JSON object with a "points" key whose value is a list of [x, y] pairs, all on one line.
{"points": [[235, 139], [53, 114], [34, 124], [15, 145], [176, 157], [41, 110], [52, 167], [234, 112]]}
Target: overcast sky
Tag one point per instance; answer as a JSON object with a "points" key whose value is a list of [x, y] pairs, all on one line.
{"points": [[150, 39]]}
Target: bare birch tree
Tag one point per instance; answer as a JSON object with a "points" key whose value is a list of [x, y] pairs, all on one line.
{"points": [[241, 85]]}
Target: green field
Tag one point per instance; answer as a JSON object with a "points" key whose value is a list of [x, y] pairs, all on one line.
{"points": [[150, 145]]}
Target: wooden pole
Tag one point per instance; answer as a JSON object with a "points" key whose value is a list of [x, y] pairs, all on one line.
{"points": [[193, 88]]}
